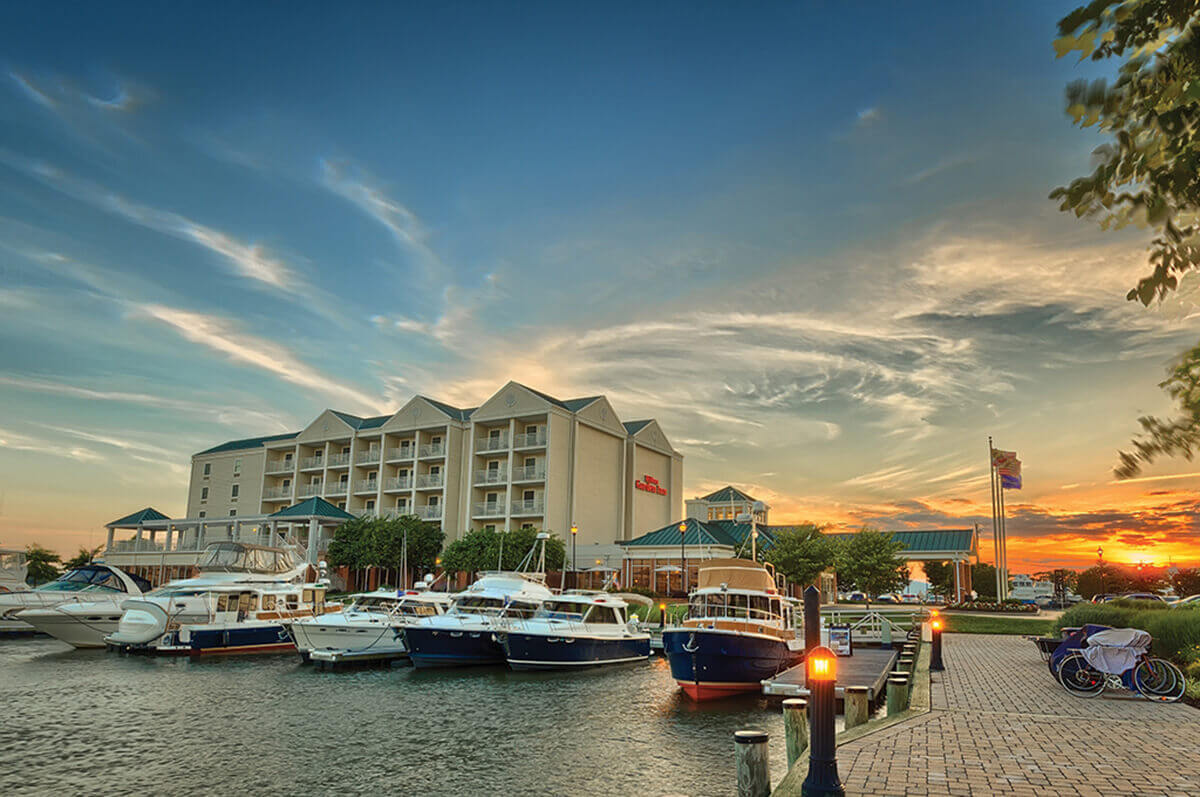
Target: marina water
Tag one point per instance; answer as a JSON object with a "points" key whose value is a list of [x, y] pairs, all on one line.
{"points": [[80, 720]]}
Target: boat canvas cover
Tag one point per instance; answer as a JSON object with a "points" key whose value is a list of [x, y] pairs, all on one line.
{"points": [[742, 574], [1116, 650]]}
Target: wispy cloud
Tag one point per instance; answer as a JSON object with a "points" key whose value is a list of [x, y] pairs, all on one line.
{"points": [[31, 91], [224, 336], [64, 96], [15, 441], [943, 165], [868, 116]]}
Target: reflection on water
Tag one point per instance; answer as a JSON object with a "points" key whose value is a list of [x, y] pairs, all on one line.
{"points": [[83, 721]]}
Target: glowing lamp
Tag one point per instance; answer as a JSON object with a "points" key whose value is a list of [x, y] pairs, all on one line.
{"points": [[822, 665], [683, 528], [662, 607], [937, 625], [574, 529], [934, 612]]}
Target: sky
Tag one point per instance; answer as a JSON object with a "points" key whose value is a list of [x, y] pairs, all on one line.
{"points": [[814, 241]]}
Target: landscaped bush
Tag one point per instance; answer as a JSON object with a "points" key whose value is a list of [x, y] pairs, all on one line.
{"points": [[1008, 607], [1176, 632]]}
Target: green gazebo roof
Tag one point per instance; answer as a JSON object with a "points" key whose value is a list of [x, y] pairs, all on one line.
{"points": [[313, 507], [144, 516]]}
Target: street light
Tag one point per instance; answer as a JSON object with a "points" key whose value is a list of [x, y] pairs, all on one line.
{"points": [[574, 574], [821, 678], [683, 557]]}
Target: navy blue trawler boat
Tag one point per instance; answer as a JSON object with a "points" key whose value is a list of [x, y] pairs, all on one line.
{"points": [[576, 629], [739, 630]]}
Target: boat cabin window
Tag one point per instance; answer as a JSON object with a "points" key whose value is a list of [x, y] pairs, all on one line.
{"points": [[521, 609], [98, 579], [308, 596], [268, 603], [563, 610], [476, 603], [760, 607], [417, 609], [602, 614]]}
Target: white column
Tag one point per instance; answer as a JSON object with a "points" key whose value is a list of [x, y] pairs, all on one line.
{"points": [[314, 529], [110, 537], [138, 544]]}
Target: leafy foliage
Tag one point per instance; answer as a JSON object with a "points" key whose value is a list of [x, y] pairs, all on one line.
{"points": [[1147, 174], [1064, 581], [41, 565], [379, 542], [1186, 582], [1102, 578], [82, 558], [867, 561], [940, 576], [481, 550], [983, 580], [801, 553]]}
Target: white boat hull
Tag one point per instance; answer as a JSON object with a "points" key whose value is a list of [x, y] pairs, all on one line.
{"points": [[333, 634], [80, 629]]}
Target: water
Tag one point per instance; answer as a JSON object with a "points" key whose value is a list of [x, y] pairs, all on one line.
{"points": [[90, 721]]}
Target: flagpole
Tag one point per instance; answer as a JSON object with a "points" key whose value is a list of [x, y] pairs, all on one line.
{"points": [[995, 515], [1003, 542]]}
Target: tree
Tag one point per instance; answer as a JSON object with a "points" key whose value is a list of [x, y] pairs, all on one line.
{"points": [[41, 565], [983, 580], [867, 561], [801, 553], [84, 557], [350, 544], [940, 576], [1186, 582], [395, 541], [1146, 174], [480, 549], [1101, 578]]}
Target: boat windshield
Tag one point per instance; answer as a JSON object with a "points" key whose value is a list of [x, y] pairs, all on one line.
{"points": [[736, 606], [374, 604], [91, 579], [478, 604], [227, 556], [563, 610], [416, 609]]}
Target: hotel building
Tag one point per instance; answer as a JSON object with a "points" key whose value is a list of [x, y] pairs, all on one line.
{"points": [[522, 458]]}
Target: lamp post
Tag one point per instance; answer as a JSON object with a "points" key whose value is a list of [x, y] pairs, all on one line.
{"points": [[935, 648], [822, 759], [574, 572], [683, 557]]}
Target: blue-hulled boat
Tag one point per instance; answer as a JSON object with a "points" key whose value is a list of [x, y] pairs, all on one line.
{"points": [[576, 629], [739, 630]]}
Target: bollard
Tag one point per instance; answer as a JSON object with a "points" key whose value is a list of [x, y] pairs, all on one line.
{"points": [[821, 674], [812, 623], [935, 650], [897, 695], [902, 674], [795, 727], [886, 629], [906, 664], [753, 764], [857, 704]]}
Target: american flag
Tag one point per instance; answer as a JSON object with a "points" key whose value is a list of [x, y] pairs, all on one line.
{"points": [[1009, 468]]}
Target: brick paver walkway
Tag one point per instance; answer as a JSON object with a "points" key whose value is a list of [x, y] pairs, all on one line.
{"points": [[1000, 725]]}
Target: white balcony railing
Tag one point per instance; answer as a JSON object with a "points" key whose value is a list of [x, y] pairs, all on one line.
{"points": [[491, 476], [308, 489], [534, 507], [499, 443], [312, 463], [428, 512], [366, 486], [489, 509], [433, 450], [281, 466], [270, 493], [398, 483], [403, 452], [529, 473], [338, 488], [429, 481], [529, 439], [368, 457], [338, 460]]}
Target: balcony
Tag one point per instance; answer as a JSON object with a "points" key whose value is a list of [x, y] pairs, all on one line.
{"points": [[530, 440], [499, 443], [491, 476], [531, 473], [428, 512], [339, 488], [281, 466], [489, 509], [404, 453], [308, 490], [276, 493], [368, 457], [366, 486], [433, 450], [398, 483], [534, 507], [430, 481], [338, 460], [312, 463]]}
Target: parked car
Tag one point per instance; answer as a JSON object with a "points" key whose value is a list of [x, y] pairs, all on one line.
{"points": [[887, 597], [1104, 597], [910, 597], [857, 597], [1141, 596], [1190, 602]]}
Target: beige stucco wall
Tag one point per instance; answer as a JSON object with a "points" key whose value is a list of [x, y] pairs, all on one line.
{"points": [[598, 485], [651, 511], [221, 480]]}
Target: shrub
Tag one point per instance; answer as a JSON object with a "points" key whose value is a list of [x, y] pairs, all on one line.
{"points": [[1176, 633], [1013, 607]]}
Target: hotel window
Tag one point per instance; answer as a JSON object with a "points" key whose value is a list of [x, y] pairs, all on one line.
{"points": [[341, 504], [490, 527], [203, 493], [237, 467], [531, 430], [207, 468], [404, 473], [433, 500], [494, 466], [490, 498], [345, 449], [287, 459], [436, 470], [344, 480], [493, 434], [203, 513], [402, 503], [526, 527], [287, 483], [529, 495], [370, 503], [233, 513], [435, 440], [530, 462], [233, 491]]}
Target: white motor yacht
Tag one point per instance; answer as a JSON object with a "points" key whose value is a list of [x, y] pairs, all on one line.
{"points": [[369, 629], [86, 624], [576, 629], [103, 587]]}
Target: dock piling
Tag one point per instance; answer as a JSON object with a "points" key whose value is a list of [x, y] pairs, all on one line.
{"points": [[795, 727], [897, 694], [857, 703], [753, 763]]}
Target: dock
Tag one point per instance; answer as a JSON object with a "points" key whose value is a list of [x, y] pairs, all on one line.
{"points": [[868, 667]]}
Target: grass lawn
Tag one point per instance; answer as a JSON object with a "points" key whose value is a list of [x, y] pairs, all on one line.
{"points": [[978, 624]]}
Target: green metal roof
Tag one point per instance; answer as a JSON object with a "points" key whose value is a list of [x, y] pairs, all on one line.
{"points": [[700, 532], [357, 422], [948, 540], [131, 521], [576, 404], [454, 412], [249, 442], [313, 506], [726, 495], [633, 427]]}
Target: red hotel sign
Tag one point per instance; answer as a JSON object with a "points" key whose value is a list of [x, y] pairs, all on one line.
{"points": [[650, 484]]}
